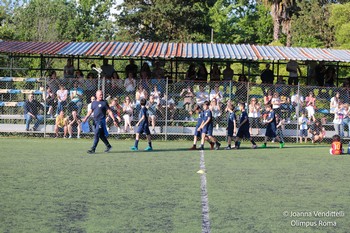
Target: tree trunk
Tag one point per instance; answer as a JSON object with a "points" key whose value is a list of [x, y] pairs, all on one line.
{"points": [[276, 21]]}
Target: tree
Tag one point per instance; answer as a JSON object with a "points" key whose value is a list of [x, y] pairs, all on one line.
{"points": [[164, 20], [340, 20]]}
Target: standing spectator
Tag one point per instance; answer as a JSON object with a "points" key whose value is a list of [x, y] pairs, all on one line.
{"points": [[216, 112], [128, 111], [152, 107], [50, 101], [242, 91], [191, 72], [276, 103], [317, 131], [32, 109], [267, 78], [215, 73], [131, 68], [130, 83], [107, 69], [254, 115], [145, 76], [68, 69], [61, 125], [201, 96], [92, 99], [303, 127], [227, 75], [346, 120], [293, 69], [76, 96], [330, 77], [339, 115], [53, 82], [334, 103], [188, 98], [158, 71], [202, 73], [100, 108], [320, 70], [297, 103], [74, 124], [62, 95], [216, 94], [90, 86], [310, 105]]}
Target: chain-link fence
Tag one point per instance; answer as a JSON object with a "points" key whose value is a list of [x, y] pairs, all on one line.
{"points": [[170, 106]]}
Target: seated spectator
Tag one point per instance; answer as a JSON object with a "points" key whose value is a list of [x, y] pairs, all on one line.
{"points": [[130, 83], [128, 111], [242, 86], [32, 109], [339, 114], [145, 76], [117, 85], [93, 71], [50, 101], [61, 125], [216, 94], [131, 68], [317, 131], [107, 69], [191, 72], [202, 73], [76, 96], [74, 124], [68, 70], [227, 75], [116, 110], [158, 71], [268, 97], [310, 105], [168, 104], [91, 118], [188, 96], [62, 95], [90, 86], [79, 75], [156, 94], [152, 107], [254, 115], [286, 107], [215, 73], [201, 96]]}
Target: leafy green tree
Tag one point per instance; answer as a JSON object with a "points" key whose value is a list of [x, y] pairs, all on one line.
{"points": [[340, 20], [164, 20]]}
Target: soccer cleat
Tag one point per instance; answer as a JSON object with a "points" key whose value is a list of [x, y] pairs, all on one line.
{"points": [[70, 136], [201, 148], [148, 148], [217, 145], [282, 145], [134, 148], [91, 151], [254, 146], [108, 149], [235, 148], [228, 148], [78, 137], [263, 146], [193, 147]]}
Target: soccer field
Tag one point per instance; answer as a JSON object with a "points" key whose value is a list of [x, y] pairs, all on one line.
{"points": [[52, 185]]}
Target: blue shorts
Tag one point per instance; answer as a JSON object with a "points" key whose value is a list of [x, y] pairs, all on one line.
{"points": [[303, 133], [243, 133], [143, 129], [196, 132], [270, 132], [208, 130]]}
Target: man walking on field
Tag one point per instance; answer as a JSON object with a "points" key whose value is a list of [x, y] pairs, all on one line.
{"points": [[100, 108]]}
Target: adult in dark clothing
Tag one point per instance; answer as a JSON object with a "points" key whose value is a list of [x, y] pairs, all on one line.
{"points": [[267, 77], [131, 68], [31, 111], [100, 108]]}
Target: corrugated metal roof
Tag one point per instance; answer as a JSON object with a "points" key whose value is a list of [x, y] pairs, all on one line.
{"points": [[175, 50]]}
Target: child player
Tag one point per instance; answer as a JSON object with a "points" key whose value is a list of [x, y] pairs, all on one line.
{"points": [[207, 127], [231, 124], [143, 127], [271, 126], [337, 147], [197, 133], [243, 130]]}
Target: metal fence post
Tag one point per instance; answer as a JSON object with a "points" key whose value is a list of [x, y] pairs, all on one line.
{"points": [[297, 113], [166, 109], [45, 116]]}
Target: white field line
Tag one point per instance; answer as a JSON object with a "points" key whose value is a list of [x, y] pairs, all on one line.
{"points": [[204, 196]]}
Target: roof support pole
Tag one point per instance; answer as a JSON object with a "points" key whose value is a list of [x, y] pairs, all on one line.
{"points": [[337, 74]]}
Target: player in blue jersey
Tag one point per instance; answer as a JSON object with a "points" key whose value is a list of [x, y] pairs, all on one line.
{"points": [[231, 124], [243, 131], [143, 127], [207, 127], [100, 108], [271, 127]]}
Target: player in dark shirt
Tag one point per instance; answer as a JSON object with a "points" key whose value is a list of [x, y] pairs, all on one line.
{"points": [[100, 108], [243, 130], [143, 127], [271, 126], [231, 124]]}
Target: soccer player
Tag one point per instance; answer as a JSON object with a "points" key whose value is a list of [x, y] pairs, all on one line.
{"points": [[337, 147], [231, 125], [100, 108], [207, 127], [143, 127], [243, 131], [271, 126]]}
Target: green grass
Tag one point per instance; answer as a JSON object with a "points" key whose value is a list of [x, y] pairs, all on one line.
{"points": [[50, 185]]}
